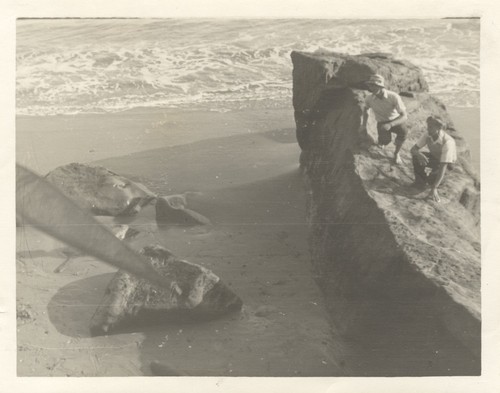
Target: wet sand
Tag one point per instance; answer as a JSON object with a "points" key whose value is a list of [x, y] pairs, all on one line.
{"points": [[239, 169]]}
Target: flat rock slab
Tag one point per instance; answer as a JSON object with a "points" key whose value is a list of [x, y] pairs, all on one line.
{"points": [[99, 190], [194, 289]]}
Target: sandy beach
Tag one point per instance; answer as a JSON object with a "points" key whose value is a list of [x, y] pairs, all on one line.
{"points": [[240, 169]]}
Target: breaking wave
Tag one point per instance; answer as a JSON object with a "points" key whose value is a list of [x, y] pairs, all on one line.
{"points": [[87, 66]]}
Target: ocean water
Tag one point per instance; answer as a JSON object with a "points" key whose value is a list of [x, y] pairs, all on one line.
{"points": [[69, 66]]}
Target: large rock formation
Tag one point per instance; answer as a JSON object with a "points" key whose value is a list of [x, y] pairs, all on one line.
{"points": [[374, 239], [194, 289], [99, 190]]}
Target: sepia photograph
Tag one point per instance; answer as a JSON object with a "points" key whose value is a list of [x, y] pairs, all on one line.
{"points": [[234, 196], [244, 197]]}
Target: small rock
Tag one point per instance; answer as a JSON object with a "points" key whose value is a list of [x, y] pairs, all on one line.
{"points": [[407, 94], [165, 370], [24, 314], [171, 211]]}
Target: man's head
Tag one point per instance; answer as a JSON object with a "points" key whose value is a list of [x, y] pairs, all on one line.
{"points": [[375, 84], [434, 125]]}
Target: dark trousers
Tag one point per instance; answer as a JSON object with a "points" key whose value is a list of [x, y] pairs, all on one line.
{"points": [[385, 137], [419, 170]]}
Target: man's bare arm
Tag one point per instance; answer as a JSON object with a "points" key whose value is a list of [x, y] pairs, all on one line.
{"points": [[403, 117], [440, 175], [422, 159]]}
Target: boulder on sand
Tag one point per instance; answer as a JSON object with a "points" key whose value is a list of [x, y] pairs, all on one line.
{"points": [[172, 210], [99, 190], [194, 290]]}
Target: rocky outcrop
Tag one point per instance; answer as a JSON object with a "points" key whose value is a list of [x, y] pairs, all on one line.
{"points": [[320, 75], [99, 190], [373, 238], [172, 210], [194, 289]]}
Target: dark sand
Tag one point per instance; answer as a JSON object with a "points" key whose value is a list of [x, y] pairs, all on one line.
{"points": [[240, 169]]}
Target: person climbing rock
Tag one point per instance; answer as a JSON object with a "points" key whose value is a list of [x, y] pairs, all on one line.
{"points": [[390, 114], [442, 154]]}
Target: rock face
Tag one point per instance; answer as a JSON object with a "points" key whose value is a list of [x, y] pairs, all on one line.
{"points": [[172, 210], [317, 76], [373, 238], [194, 289], [99, 190]]}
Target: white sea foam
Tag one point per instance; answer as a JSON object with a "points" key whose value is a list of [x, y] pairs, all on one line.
{"points": [[72, 66]]}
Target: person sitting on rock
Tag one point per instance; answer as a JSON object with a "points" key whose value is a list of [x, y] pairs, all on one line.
{"points": [[442, 154], [390, 114]]}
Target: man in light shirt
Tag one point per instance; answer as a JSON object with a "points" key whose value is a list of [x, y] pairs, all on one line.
{"points": [[390, 114], [442, 154]]}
